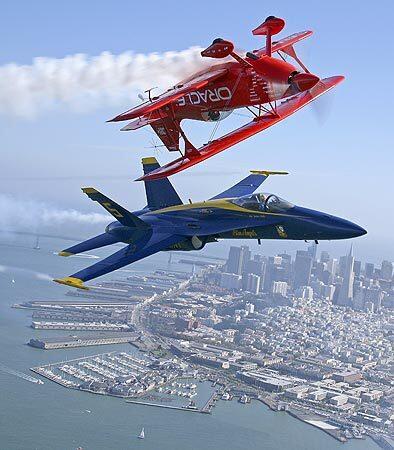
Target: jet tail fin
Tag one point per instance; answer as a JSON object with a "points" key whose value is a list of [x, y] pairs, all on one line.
{"points": [[121, 214], [159, 193]]}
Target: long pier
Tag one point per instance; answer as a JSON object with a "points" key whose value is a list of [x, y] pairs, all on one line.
{"points": [[206, 409], [159, 405]]}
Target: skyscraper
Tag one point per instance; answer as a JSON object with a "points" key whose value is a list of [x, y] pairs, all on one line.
{"points": [[345, 295], [253, 283], [369, 270], [238, 257], [357, 268], [273, 272], [386, 271], [312, 250], [324, 256], [302, 269]]}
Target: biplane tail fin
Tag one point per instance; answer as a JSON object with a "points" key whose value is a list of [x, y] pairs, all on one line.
{"points": [[271, 26], [159, 193]]}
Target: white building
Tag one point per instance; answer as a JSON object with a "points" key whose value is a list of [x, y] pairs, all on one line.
{"points": [[279, 287]]}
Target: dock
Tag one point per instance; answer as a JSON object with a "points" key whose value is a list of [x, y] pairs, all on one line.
{"points": [[159, 405], [49, 343], [207, 408]]}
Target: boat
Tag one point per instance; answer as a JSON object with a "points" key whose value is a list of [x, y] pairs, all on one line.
{"points": [[142, 434]]}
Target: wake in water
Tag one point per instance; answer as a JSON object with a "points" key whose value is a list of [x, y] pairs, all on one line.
{"points": [[16, 373]]}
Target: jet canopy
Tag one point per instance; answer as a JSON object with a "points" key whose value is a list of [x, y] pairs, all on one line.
{"points": [[263, 202]]}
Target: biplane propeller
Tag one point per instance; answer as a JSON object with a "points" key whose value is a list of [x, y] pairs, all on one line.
{"points": [[269, 87]]}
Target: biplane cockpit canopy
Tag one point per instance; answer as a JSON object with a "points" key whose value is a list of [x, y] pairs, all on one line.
{"points": [[263, 202]]}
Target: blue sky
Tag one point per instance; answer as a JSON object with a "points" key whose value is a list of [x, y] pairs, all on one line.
{"points": [[343, 166]]}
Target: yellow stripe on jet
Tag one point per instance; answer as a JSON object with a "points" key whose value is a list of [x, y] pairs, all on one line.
{"points": [[217, 204], [149, 160], [269, 172]]}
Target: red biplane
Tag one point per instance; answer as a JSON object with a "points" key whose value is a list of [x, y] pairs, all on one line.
{"points": [[270, 88]]}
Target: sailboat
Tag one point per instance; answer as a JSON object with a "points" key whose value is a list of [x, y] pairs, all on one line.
{"points": [[142, 434], [37, 246]]}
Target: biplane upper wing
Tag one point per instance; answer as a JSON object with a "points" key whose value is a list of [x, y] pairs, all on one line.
{"points": [[285, 42], [285, 109], [171, 95]]}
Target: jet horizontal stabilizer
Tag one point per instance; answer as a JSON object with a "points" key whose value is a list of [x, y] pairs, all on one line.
{"points": [[96, 242], [72, 282]]}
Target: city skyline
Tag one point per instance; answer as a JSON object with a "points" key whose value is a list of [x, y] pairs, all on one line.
{"points": [[345, 281]]}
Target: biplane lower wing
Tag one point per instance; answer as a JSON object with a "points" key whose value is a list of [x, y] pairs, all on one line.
{"points": [[171, 95], [285, 109]]}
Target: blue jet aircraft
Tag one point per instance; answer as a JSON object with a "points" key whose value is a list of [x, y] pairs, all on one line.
{"points": [[167, 224]]}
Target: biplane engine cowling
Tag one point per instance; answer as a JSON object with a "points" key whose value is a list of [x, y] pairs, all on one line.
{"points": [[218, 49], [215, 115]]}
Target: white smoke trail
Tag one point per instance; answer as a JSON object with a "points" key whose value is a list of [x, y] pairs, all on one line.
{"points": [[81, 82], [29, 214], [33, 273]]}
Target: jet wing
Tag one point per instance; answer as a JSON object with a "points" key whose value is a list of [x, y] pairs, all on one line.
{"points": [[285, 42], [248, 185], [285, 109], [127, 255], [171, 95]]}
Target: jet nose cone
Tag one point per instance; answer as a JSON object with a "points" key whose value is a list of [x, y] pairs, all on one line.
{"points": [[347, 229], [304, 81], [357, 231]]}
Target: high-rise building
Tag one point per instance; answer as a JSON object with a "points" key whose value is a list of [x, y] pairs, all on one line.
{"points": [[255, 266], [375, 296], [328, 292], [286, 266], [253, 283], [231, 281], [369, 270], [302, 269], [342, 266], [324, 257], [312, 250], [359, 300], [238, 257], [307, 293], [345, 295], [357, 268], [386, 271], [332, 266]]}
